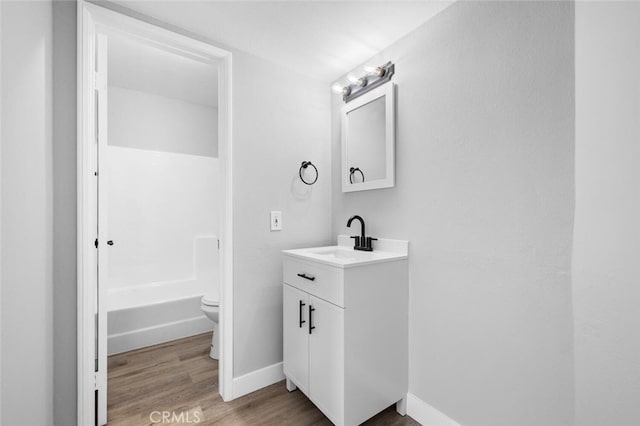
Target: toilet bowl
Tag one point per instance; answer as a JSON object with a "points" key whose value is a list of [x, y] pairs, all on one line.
{"points": [[211, 309]]}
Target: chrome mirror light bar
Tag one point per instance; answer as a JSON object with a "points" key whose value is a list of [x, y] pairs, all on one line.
{"points": [[374, 77]]}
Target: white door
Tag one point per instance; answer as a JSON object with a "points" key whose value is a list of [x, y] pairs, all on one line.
{"points": [[326, 358], [102, 238], [296, 337]]}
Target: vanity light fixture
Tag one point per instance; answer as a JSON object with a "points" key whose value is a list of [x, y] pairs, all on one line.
{"points": [[376, 71], [374, 77]]}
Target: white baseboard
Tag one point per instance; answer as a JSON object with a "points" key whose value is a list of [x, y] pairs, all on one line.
{"points": [[258, 379], [143, 337], [426, 414]]}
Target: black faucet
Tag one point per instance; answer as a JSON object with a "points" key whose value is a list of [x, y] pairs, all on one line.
{"points": [[362, 242]]}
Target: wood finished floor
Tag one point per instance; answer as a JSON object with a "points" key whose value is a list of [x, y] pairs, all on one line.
{"points": [[180, 377]]}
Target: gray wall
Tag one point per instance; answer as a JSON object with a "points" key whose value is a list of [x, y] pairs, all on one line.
{"points": [[26, 227], [64, 212], [484, 193], [607, 230], [280, 120]]}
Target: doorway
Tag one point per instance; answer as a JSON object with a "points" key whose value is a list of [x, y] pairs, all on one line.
{"points": [[154, 173]]}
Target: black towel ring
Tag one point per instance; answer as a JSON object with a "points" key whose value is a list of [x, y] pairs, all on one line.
{"points": [[304, 165], [352, 171]]}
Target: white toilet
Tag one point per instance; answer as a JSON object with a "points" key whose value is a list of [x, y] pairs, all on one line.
{"points": [[207, 273], [211, 308]]}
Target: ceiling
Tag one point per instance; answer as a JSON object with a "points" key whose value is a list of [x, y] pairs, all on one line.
{"points": [[138, 66], [321, 39]]}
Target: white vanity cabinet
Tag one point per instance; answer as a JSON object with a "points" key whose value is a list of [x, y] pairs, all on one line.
{"points": [[345, 326], [314, 356]]}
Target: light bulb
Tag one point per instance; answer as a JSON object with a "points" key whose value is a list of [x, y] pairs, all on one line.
{"points": [[337, 87], [369, 69], [374, 70]]}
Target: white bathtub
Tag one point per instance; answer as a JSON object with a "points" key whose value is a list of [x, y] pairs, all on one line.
{"points": [[150, 313], [152, 294]]}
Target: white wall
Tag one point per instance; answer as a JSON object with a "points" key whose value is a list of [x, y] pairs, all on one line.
{"points": [[484, 194], [26, 227], [147, 121], [607, 230], [158, 204]]}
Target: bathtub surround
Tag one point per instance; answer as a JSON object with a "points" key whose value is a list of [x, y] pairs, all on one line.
{"points": [[607, 229], [484, 192], [200, 278], [148, 191]]}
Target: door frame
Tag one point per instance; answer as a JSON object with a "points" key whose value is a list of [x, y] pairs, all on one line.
{"points": [[93, 19]]}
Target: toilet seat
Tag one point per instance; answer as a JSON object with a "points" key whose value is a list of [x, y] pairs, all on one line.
{"points": [[208, 301]]}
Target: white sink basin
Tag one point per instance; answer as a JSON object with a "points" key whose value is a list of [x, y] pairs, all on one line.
{"points": [[339, 252], [343, 255]]}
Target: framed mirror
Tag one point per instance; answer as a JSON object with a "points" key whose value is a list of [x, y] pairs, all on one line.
{"points": [[368, 140]]}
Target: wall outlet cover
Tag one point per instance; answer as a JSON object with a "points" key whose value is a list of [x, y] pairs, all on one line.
{"points": [[276, 221]]}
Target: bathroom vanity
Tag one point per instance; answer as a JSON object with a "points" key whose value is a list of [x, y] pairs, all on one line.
{"points": [[345, 320]]}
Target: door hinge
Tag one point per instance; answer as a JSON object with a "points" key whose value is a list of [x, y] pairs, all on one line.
{"points": [[97, 123], [96, 243], [99, 381]]}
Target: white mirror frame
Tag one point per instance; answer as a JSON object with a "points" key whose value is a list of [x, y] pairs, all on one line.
{"points": [[388, 91]]}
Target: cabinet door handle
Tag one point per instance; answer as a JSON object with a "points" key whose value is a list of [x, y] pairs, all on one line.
{"points": [[307, 277], [311, 309], [300, 316]]}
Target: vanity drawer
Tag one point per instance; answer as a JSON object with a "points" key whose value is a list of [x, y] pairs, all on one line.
{"points": [[319, 280]]}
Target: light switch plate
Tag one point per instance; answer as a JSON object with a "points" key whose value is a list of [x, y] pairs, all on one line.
{"points": [[276, 221]]}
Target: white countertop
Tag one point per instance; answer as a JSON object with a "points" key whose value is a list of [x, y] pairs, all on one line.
{"points": [[343, 255]]}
